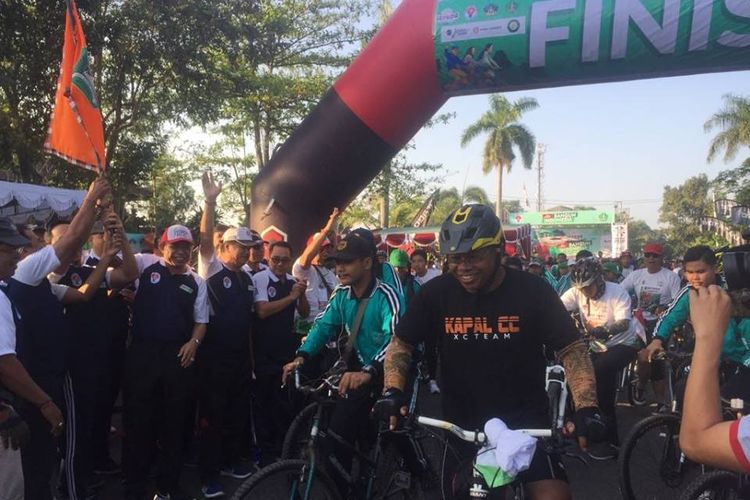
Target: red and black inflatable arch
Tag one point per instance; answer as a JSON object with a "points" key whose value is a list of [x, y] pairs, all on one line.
{"points": [[394, 86]]}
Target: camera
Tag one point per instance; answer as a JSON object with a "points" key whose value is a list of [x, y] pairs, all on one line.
{"points": [[736, 264]]}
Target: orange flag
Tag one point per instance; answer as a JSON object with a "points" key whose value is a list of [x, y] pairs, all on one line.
{"points": [[76, 132]]}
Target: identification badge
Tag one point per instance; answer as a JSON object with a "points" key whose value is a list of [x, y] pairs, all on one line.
{"points": [[186, 288]]}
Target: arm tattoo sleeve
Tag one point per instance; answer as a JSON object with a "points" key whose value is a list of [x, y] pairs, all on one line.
{"points": [[397, 362], [580, 374]]}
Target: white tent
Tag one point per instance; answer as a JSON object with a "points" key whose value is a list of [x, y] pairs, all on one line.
{"points": [[25, 203]]}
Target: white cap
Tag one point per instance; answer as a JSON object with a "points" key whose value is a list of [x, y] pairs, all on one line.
{"points": [[241, 235]]}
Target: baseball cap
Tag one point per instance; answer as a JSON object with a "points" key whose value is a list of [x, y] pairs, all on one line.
{"points": [[10, 236], [176, 234], [611, 267], [563, 265], [257, 239], [626, 253], [241, 235], [97, 228], [535, 262], [399, 258], [353, 246], [653, 247]]}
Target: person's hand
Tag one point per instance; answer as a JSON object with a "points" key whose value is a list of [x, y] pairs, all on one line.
{"points": [[100, 192], [187, 353], [13, 430], [331, 220], [290, 367], [600, 332], [589, 426], [390, 406], [298, 289], [654, 348], [211, 188], [112, 244], [112, 223], [54, 416], [710, 310], [351, 381]]}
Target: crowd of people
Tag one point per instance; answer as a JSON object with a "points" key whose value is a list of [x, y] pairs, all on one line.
{"points": [[198, 345]]}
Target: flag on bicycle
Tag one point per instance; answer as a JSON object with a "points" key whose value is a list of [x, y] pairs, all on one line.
{"points": [[76, 131]]}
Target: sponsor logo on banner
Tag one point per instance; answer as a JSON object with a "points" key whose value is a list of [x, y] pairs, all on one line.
{"points": [[447, 16], [155, 278], [470, 12], [484, 29], [490, 9]]}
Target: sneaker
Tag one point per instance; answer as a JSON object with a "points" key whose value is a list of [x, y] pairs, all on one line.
{"points": [[107, 468], [434, 389], [238, 471], [603, 451], [213, 489]]}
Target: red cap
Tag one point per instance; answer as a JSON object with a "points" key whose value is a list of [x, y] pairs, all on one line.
{"points": [[653, 247], [175, 234]]}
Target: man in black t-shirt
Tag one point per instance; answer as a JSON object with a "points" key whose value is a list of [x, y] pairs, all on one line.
{"points": [[490, 324]]}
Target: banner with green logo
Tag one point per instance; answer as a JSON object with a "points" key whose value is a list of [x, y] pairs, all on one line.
{"points": [[563, 218], [500, 45]]}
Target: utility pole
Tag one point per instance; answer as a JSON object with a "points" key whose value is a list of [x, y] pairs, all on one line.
{"points": [[540, 150]]}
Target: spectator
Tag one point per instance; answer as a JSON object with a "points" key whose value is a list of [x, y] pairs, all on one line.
{"points": [[422, 273]]}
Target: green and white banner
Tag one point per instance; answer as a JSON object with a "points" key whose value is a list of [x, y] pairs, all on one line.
{"points": [[498, 45]]}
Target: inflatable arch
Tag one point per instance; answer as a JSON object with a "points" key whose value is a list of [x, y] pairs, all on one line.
{"points": [[417, 61]]}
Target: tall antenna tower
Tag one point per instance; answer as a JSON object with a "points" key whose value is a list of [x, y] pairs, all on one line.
{"points": [[540, 150]]}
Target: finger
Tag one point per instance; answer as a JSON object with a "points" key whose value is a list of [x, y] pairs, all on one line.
{"points": [[344, 384], [392, 421], [404, 411]]}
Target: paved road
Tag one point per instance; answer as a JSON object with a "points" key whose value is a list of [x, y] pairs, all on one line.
{"points": [[595, 480]]}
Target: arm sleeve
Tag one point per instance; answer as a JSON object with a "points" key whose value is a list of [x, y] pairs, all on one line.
{"points": [[208, 267], [675, 317], [391, 316], [59, 291], [555, 323], [327, 324], [34, 268], [739, 439], [629, 283], [300, 272], [394, 280], [143, 260], [260, 282], [674, 289], [569, 300], [417, 321], [200, 306], [7, 328]]}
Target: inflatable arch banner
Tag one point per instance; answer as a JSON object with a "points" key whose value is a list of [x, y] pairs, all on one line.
{"points": [[431, 50]]}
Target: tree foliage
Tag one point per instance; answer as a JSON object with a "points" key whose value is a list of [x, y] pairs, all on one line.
{"points": [[733, 120]]}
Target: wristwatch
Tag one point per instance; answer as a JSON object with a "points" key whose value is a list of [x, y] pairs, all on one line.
{"points": [[371, 370]]}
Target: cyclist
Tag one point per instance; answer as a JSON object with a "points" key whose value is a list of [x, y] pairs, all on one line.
{"points": [[700, 270], [399, 259], [370, 331], [606, 314], [490, 324], [655, 287], [704, 437]]}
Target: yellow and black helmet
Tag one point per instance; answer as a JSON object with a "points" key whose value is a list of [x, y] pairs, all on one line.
{"points": [[470, 227]]}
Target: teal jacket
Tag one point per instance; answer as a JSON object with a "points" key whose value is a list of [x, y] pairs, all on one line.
{"points": [[385, 308], [736, 346]]}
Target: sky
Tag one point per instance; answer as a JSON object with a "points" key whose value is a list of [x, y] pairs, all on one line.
{"points": [[605, 142]]}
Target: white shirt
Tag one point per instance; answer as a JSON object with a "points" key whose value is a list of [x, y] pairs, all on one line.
{"points": [[657, 289], [431, 273], [33, 269], [7, 327], [200, 306], [207, 268], [611, 307], [261, 281], [316, 293], [249, 270]]}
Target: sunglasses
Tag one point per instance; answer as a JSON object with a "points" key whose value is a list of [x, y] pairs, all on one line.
{"points": [[280, 260], [650, 255]]}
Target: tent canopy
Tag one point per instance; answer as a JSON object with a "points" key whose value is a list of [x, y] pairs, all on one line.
{"points": [[28, 202]]}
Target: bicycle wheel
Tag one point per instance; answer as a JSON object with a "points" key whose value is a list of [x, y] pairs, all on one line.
{"points": [[286, 479], [395, 478], [715, 485], [651, 464], [298, 434]]}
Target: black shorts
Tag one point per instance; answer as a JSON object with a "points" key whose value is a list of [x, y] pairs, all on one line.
{"points": [[457, 471]]}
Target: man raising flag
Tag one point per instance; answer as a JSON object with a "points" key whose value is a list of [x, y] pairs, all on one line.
{"points": [[76, 132]]}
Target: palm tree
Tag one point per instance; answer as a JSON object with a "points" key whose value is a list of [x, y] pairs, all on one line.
{"points": [[475, 194], [505, 134], [734, 120]]}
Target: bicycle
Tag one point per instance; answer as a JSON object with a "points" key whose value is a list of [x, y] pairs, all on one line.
{"points": [[720, 484], [384, 473], [652, 447]]}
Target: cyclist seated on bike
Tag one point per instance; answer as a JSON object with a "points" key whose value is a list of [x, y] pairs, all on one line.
{"points": [[606, 315], [700, 270], [704, 437], [369, 310], [489, 324]]}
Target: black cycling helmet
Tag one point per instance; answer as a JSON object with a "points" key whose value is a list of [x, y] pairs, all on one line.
{"points": [[470, 227], [585, 272]]}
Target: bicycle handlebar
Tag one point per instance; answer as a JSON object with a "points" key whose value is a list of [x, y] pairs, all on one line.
{"points": [[330, 382], [472, 436]]}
